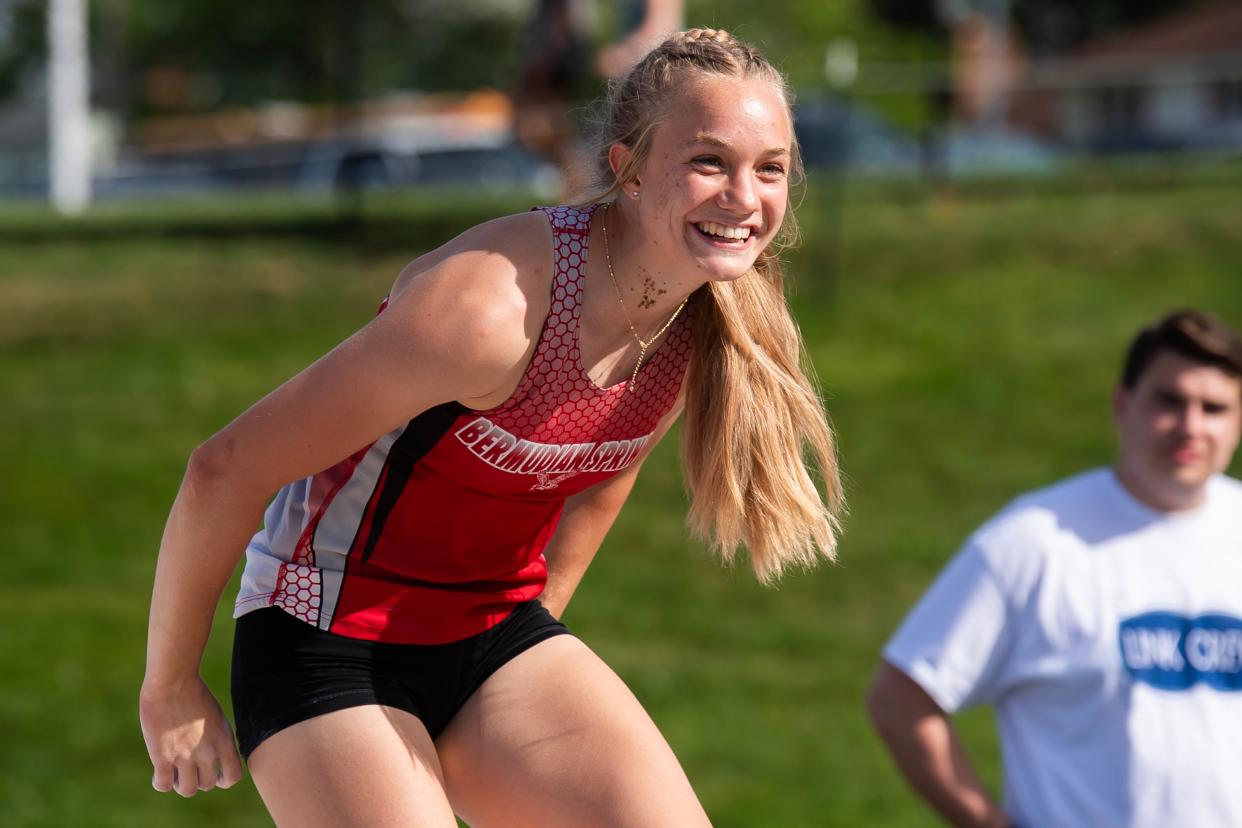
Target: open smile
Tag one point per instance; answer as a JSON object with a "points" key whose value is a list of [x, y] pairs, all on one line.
{"points": [[726, 235]]}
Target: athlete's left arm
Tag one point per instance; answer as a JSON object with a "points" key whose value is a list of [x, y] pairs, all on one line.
{"points": [[585, 521]]}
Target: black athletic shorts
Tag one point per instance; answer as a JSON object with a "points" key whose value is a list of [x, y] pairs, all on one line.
{"points": [[286, 671]]}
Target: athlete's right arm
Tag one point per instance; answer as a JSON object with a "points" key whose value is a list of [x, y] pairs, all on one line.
{"points": [[461, 329], [926, 748]]}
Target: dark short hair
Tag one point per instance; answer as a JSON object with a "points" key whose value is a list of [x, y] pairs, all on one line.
{"points": [[1193, 334]]}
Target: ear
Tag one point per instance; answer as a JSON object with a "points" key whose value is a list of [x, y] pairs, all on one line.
{"points": [[618, 157]]}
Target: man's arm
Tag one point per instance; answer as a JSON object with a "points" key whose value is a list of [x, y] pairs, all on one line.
{"points": [[660, 19], [922, 741]]}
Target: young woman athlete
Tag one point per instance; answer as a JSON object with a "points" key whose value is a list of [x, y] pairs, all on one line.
{"points": [[456, 464]]}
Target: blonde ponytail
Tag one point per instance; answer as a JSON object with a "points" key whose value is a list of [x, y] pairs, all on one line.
{"points": [[752, 418]]}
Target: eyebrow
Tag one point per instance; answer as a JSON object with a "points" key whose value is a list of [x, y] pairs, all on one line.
{"points": [[1174, 395], [711, 140]]}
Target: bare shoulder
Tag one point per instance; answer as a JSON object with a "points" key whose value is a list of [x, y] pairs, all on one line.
{"points": [[523, 240], [460, 325], [481, 297]]}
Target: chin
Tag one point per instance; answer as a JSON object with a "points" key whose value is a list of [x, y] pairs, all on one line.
{"points": [[727, 276], [1190, 480], [728, 270]]}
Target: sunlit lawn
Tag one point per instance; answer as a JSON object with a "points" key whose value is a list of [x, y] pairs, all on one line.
{"points": [[966, 341]]}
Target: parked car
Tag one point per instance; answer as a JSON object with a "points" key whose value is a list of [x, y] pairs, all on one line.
{"points": [[837, 133], [995, 150], [324, 168]]}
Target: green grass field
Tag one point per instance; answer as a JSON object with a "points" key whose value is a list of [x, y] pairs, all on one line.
{"points": [[967, 342]]}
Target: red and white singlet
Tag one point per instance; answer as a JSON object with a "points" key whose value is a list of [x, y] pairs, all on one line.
{"points": [[435, 531]]}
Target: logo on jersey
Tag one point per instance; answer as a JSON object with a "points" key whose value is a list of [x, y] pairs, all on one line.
{"points": [[551, 463], [1174, 652]]}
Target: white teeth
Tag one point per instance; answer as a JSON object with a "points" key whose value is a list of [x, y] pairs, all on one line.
{"points": [[714, 229]]}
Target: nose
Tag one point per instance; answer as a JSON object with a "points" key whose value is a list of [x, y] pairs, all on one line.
{"points": [[1191, 420], [740, 193]]}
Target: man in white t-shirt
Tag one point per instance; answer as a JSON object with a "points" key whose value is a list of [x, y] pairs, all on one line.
{"points": [[1102, 619]]}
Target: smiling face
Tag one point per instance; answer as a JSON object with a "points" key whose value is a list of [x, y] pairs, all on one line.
{"points": [[715, 185], [1178, 426]]}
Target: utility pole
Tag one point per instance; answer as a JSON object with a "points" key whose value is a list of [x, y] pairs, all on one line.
{"points": [[69, 151]]}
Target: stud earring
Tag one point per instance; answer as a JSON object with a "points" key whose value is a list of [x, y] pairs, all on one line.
{"points": [[636, 194]]}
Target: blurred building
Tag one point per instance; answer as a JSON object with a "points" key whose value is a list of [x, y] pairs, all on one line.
{"points": [[1172, 84]]}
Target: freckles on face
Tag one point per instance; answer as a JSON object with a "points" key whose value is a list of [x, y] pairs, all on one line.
{"points": [[722, 154]]}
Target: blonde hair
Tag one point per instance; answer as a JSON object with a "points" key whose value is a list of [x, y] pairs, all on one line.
{"points": [[752, 413]]}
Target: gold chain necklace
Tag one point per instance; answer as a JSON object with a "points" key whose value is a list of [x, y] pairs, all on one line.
{"points": [[642, 346]]}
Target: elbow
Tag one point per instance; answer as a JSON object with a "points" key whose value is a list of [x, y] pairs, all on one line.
{"points": [[209, 464], [218, 470]]}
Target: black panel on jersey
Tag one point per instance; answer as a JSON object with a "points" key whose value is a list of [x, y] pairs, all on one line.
{"points": [[419, 437]]}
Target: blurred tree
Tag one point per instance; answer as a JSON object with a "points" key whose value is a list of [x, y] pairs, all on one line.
{"points": [[465, 44], [207, 53], [1052, 26], [23, 41], [196, 55], [797, 39], [798, 36], [1045, 26], [192, 55]]}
